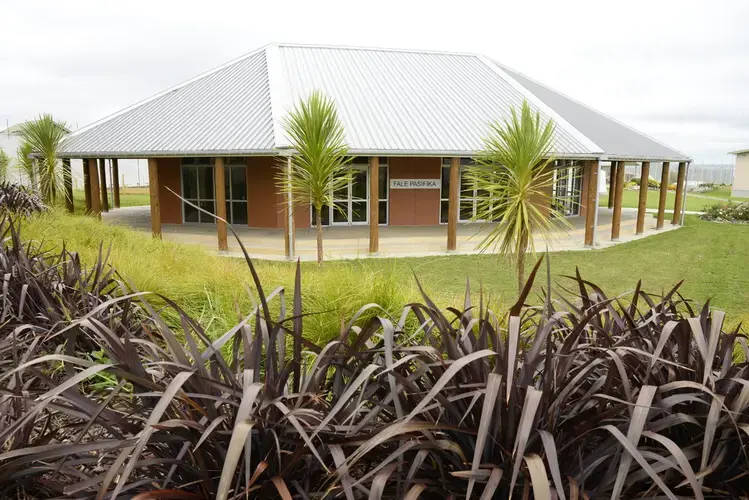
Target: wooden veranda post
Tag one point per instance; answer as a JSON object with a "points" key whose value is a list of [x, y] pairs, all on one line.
{"points": [[680, 180], [67, 178], [115, 182], [86, 184], [288, 216], [220, 195], [616, 220], [452, 204], [664, 194], [642, 204], [374, 204], [153, 190], [103, 185], [93, 177], [591, 167], [612, 182]]}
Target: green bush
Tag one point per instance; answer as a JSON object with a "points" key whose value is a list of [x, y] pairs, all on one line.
{"points": [[652, 183], [728, 212], [624, 397]]}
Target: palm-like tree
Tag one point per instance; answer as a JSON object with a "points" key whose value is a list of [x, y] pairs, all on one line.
{"points": [[44, 136], [25, 164], [320, 164], [4, 165], [514, 173]]}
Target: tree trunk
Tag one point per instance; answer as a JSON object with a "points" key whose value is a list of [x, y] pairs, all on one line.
{"points": [[318, 224], [521, 261]]}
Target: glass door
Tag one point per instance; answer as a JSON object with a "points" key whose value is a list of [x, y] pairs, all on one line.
{"points": [[235, 182], [351, 202]]}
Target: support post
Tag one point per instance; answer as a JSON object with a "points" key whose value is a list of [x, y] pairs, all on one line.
{"points": [[612, 182], [616, 220], [115, 182], [86, 184], [591, 198], [642, 204], [67, 179], [289, 216], [153, 190], [452, 207], [219, 187], [684, 196], [103, 185], [680, 190], [664, 194], [374, 204], [93, 177]]}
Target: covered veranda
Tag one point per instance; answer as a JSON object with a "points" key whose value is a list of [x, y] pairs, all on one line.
{"points": [[395, 241]]}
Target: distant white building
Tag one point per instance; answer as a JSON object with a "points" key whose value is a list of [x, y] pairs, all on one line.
{"points": [[741, 174]]}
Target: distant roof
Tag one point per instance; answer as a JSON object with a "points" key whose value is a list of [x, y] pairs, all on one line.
{"points": [[739, 152], [391, 102], [16, 129]]}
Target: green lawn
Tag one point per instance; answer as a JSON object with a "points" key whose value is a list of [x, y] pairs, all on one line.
{"points": [[695, 202], [711, 259], [129, 197]]}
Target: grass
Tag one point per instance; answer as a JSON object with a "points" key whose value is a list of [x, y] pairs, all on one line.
{"points": [[696, 202], [710, 258], [129, 197]]}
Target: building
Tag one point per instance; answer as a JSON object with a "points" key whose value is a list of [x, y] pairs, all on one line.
{"points": [[741, 174], [413, 120]]}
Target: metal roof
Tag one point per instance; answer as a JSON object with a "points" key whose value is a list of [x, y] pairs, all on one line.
{"points": [[739, 152], [391, 102]]}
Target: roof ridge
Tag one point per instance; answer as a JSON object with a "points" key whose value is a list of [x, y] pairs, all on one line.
{"points": [[539, 103], [605, 115], [375, 49], [167, 91]]}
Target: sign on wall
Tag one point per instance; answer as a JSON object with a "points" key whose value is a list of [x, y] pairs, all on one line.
{"points": [[414, 183]]}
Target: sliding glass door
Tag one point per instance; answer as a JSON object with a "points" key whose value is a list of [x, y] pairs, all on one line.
{"points": [[198, 189]]}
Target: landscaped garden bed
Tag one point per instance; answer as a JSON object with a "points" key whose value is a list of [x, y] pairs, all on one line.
{"points": [[734, 213], [638, 395]]}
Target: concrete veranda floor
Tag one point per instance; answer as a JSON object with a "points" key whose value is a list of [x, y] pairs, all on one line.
{"points": [[352, 242]]}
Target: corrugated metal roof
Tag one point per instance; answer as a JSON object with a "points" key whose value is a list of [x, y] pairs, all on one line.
{"points": [[618, 140], [226, 110], [395, 102]]}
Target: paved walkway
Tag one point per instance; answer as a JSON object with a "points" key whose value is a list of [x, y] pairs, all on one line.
{"points": [[353, 242]]}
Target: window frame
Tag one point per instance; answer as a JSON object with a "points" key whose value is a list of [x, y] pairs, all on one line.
{"points": [[196, 163], [445, 165]]}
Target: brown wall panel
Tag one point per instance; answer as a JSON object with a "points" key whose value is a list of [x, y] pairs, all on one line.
{"points": [[414, 207], [263, 200], [170, 176]]}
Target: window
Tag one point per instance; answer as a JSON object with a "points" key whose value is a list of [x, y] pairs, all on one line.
{"points": [[235, 179], [383, 189], [469, 198], [197, 188], [566, 189], [351, 202]]}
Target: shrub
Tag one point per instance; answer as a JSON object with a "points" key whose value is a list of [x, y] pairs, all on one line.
{"points": [[652, 183], [728, 212], [19, 200], [611, 397]]}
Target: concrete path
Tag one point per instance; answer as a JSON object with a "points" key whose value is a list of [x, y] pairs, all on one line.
{"points": [[352, 242]]}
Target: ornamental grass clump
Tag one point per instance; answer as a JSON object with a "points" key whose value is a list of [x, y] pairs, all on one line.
{"points": [[593, 397], [19, 200]]}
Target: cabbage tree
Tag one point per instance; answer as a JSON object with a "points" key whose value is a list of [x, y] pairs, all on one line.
{"points": [[44, 137], [320, 161], [514, 173]]}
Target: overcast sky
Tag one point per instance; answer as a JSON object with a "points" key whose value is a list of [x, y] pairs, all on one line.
{"points": [[677, 70]]}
